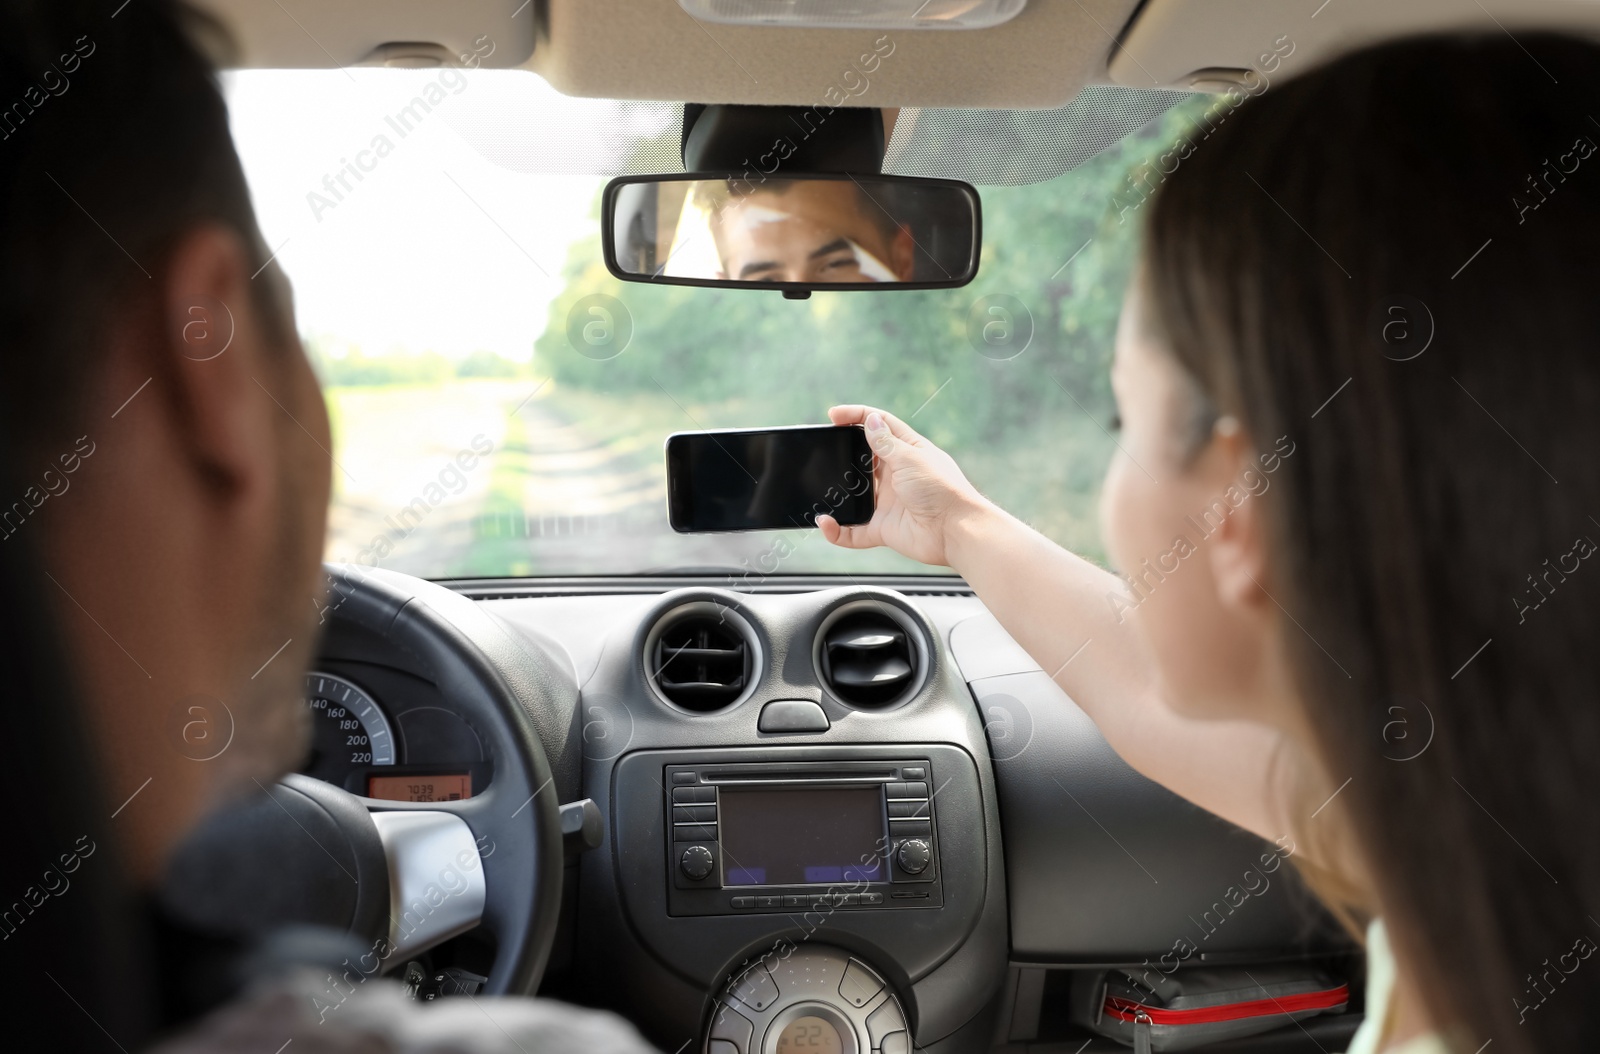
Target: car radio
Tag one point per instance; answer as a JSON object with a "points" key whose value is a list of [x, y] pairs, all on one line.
{"points": [[786, 837]]}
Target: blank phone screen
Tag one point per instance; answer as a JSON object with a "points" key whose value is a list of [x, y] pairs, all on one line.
{"points": [[768, 480]]}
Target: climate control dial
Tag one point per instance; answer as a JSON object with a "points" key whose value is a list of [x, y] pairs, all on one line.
{"points": [[811, 999]]}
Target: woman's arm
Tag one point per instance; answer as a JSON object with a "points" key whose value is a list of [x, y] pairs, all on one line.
{"points": [[1057, 606]]}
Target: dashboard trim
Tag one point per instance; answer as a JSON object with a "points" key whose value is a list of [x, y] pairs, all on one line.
{"points": [[737, 581]]}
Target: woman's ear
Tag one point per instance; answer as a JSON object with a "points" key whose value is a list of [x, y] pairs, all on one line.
{"points": [[1238, 549]]}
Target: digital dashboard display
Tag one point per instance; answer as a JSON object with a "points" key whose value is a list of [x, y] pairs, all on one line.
{"points": [[452, 787], [796, 836], [810, 1035]]}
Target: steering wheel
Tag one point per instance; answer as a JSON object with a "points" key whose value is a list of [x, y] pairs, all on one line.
{"points": [[413, 874]]}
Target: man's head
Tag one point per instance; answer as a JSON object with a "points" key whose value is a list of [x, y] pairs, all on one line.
{"points": [[809, 230], [166, 432]]}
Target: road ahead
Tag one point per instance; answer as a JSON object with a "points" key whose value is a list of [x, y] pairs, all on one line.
{"points": [[569, 485]]}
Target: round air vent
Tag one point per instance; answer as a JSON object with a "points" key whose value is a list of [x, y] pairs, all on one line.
{"points": [[702, 656], [870, 654]]}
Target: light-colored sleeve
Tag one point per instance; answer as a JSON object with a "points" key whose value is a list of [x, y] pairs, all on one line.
{"points": [[377, 1017]]}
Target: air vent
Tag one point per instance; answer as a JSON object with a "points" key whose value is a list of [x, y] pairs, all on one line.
{"points": [[701, 658], [868, 657]]}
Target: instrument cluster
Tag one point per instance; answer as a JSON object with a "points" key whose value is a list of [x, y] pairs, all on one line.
{"points": [[417, 751]]}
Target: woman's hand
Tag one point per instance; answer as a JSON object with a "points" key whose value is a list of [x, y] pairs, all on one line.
{"points": [[921, 492]]}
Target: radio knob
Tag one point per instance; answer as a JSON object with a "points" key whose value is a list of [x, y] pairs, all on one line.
{"points": [[697, 862], [914, 856]]}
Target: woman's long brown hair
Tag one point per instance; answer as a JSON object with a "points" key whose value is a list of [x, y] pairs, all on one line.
{"points": [[1395, 260]]}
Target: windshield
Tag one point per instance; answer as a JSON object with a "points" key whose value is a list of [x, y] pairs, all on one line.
{"points": [[500, 402]]}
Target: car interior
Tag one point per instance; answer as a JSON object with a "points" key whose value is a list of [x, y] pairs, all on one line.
{"points": [[756, 794]]}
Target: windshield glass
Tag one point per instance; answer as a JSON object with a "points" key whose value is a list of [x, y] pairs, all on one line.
{"points": [[500, 402]]}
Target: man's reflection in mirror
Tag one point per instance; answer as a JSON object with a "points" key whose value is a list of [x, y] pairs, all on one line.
{"points": [[806, 230]]}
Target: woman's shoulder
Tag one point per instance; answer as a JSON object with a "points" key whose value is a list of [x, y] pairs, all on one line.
{"points": [[1370, 1037], [1429, 1044]]}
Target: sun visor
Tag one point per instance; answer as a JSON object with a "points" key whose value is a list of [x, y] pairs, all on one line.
{"points": [[526, 126]]}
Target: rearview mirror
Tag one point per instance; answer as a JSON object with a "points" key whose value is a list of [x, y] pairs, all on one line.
{"points": [[817, 231]]}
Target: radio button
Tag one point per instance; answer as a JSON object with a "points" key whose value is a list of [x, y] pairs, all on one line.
{"points": [[905, 810], [693, 795], [792, 901], [883, 1021], [914, 856], [906, 790], [743, 902], [769, 902], [694, 814], [852, 900], [859, 985], [871, 899], [697, 862], [730, 1026], [912, 829], [694, 832], [792, 715], [755, 988]]}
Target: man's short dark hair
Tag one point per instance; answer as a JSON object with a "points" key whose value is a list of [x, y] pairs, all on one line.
{"points": [[113, 142], [879, 208]]}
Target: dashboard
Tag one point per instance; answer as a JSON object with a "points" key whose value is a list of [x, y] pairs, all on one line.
{"points": [[833, 815], [412, 747]]}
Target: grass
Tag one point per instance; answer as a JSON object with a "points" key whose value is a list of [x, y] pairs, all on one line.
{"points": [[1051, 480], [492, 554]]}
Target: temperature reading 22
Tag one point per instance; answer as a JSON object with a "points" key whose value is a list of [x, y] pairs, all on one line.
{"points": [[810, 1035]]}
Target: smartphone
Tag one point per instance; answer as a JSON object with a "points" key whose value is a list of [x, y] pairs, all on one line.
{"points": [[767, 479]]}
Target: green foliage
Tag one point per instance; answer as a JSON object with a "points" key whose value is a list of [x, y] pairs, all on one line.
{"points": [[1027, 424], [351, 367], [790, 359], [1029, 429], [488, 364]]}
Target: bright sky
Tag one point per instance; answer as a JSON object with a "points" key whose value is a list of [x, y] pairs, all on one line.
{"points": [[437, 247]]}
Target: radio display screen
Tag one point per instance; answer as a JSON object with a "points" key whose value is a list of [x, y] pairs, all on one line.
{"points": [[800, 835], [453, 787]]}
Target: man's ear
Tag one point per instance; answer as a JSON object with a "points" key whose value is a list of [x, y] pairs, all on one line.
{"points": [[1238, 550], [211, 359]]}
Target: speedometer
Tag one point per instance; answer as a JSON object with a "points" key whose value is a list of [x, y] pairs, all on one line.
{"points": [[349, 732]]}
